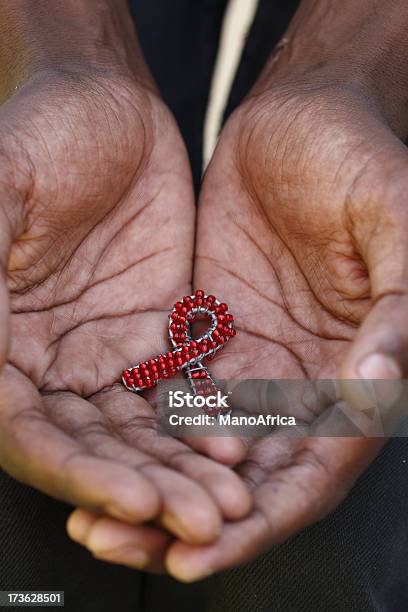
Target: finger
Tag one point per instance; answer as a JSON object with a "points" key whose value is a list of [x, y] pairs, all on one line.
{"points": [[214, 485], [380, 350], [186, 508], [290, 499], [138, 547], [227, 450], [377, 360], [37, 452], [225, 487]]}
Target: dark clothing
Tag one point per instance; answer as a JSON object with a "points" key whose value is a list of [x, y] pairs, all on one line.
{"points": [[353, 561], [36, 554], [180, 41]]}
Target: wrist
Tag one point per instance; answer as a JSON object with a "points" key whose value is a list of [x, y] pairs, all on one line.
{"points": [[75, 34], [362, 44]]}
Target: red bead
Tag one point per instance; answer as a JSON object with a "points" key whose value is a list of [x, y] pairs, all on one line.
{"points": [[146, 374]]}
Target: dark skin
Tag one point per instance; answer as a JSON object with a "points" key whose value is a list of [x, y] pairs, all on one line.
{"points": [[308, 185], [97, 237]]}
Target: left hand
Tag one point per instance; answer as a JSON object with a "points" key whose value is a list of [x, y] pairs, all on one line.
{"points": [[104, 247]]}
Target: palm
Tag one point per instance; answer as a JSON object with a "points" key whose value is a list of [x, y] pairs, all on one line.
{"points": [[277, 215], [107, 243], [105, 250]]}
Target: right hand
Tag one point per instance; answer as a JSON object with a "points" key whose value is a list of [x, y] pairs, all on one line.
{"points": [[97, 229]]}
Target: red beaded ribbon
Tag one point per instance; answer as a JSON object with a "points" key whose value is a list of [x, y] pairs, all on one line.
{"points": [[187, 354]]}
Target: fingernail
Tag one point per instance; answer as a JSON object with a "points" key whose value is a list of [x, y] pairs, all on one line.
{"points": [[79, 525], [188, 574], [126, 555], [174, 525], [105, 536], [379, 366], [207, 533], [119, 513], [105, 542]]}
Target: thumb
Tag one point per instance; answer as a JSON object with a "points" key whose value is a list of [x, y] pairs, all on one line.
{"points": [[380, 348]]}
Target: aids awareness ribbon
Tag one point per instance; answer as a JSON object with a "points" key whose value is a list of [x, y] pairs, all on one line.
{"points": [[187, 354]]}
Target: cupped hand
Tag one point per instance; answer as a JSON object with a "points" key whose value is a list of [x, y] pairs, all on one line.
{"points": [[302, 226], [97, 237]]}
